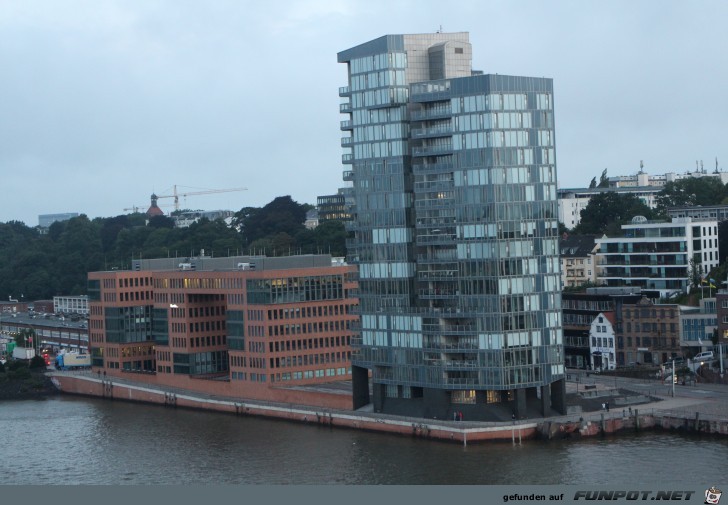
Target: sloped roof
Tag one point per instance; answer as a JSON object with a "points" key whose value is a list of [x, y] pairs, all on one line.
{"points": [[577, 246]]}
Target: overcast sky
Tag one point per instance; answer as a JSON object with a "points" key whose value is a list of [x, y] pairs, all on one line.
{"points": [[104, 102]]}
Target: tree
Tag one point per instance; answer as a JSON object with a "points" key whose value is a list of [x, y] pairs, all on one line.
{"points": [[607, 211], [690, 191], [695, 272], [161, 222], [593, 183], [603, 180], [282, 215]]}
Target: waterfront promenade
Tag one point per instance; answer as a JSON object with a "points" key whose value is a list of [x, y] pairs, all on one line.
{"points": [[646, 405]]}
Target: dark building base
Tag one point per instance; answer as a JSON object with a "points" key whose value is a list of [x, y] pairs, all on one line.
{"points": [[430, 403]]}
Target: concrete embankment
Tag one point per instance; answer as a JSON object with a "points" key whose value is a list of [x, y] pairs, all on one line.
{"points": [[563, 427]]}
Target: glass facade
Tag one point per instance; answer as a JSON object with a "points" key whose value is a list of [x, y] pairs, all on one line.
{"points": [[454, 222]]}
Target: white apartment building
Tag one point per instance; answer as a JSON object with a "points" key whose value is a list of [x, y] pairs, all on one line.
{"points": [[655, 255], [644, 186], [642, 179]]}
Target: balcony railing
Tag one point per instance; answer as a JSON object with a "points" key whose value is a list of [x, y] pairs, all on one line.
{"points": [[346, 125], [344, 91], [436, 131], [436, 113], [432, 150]]}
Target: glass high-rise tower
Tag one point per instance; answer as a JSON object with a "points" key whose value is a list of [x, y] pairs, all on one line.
{"points": [[455, 232]]}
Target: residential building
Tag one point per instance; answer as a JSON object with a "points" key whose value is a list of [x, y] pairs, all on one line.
{"points": [[579, 312], [573, 201], [455, 232], [651, 333], [659, 255], [46, 220], [643, 179], [602, 342], [700, 212], [721, 308], [312, 219], [71, 304], [578, 260], [187, 218], [255, 327], [646, 187]]}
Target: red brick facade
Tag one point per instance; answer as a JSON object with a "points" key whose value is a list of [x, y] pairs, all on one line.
{"points": [[238, 333]]}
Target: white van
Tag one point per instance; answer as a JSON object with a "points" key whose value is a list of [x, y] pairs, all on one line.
{"points": [[704, 356]]}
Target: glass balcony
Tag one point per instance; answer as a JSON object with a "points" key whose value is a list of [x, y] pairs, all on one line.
{"points": [[432, 150], [436, 131], [344, 91], [345, 107], [347, 158], [346, 141], [348, 175], [431, 113], [427, 168], [346, 125]]}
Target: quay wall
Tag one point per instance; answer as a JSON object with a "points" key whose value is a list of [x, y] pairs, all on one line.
{"points": [[343, 417]]}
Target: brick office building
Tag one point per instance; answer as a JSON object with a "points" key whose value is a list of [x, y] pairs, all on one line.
{"points": [[243, 327]]}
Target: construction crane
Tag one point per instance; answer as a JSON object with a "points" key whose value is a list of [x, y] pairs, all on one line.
{"points": [[176, 195]]}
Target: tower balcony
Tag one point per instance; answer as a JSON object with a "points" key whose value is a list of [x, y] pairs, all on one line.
{"points": [[345, 107], [435, 131], [347, 141], [432, 150], [344, 91], [347, 158], [431, 113], [346, 125]]}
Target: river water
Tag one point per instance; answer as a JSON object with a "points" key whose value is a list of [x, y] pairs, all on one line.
{"points": [[74, 440]]}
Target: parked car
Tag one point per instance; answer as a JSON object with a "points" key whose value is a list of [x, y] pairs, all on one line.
{"points": [[704, 356]]}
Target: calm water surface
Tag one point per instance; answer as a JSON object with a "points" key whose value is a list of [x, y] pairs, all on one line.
{"points": [[72, 440]]}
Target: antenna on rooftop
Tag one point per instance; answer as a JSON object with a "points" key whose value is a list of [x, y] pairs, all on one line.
{"points": [[440, 30]]}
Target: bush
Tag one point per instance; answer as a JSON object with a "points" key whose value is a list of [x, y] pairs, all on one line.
{"points": [[37, 362], [17, 364], [19, 374]]}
